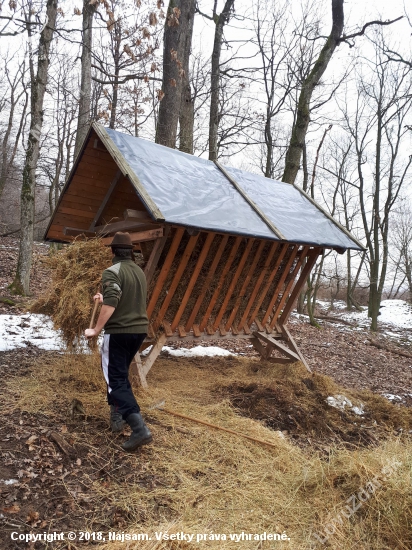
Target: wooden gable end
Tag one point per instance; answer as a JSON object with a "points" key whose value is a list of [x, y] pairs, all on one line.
{"points": [[96, 194]]}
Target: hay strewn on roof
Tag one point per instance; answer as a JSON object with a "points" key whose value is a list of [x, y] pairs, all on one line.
{"points": [[76, 272]]}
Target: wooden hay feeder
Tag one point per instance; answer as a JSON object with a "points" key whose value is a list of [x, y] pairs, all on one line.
{"points": [[226, 252]]}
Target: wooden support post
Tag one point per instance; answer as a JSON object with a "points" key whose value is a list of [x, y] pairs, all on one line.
{"points": [[311, 260], [257, 285], [287, 335], [245, 284], [207, 282], [233, 283], [277, 345], [105, 200], [143, 368], [289, 286], [165, 270], [267, 285], [155, 255], [177, 276], [220, 283], [199, 264], [280, 283]]}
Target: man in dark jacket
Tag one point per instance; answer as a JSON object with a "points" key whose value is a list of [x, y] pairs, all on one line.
{"points": [[124, 319]]}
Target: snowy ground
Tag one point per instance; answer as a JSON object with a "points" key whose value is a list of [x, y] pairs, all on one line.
{"points": [[18, 331]]}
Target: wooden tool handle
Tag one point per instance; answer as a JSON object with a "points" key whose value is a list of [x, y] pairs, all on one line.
{"points": [[96, 305], [219, 428]]}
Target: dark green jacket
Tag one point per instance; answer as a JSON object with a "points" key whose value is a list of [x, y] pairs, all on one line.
{"points": [[124, 288]]}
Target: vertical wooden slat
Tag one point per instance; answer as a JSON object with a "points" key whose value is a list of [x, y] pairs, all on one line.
{"points": [[220, 283], [289, 285], [165, 270], [280, 282], [267, 285], [193, 278], [207, 282], [257, 285], [311, 260], [177, 276], [245, 284], [155, 255], [233, 283]]}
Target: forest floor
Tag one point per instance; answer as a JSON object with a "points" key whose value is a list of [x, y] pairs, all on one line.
{"points": [[63, 470]]}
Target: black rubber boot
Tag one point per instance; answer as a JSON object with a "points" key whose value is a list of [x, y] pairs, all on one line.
{"points": [[140, 433], [116, 420]]}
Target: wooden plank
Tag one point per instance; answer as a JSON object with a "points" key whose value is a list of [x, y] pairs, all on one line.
{"points": [[229, 336], [219, 286], [210, 330], [246, 330], [177, 276], [153, 354], [207, 282], [77, 210], [105, 200], [73, 232], [196, 331], [289, 285], [234, 329], [155, 255], [130, 214], [124, 225], [258, 284], [199, 264], [280, 282], [280, 360], [259, 347], [277, 345], [142, 236], [287, 335], [310, 262], [165, 270], [233, 283], [259, 325], [181, 331], [150, 331], [222, 330], [268, 329], [168, 328], [245, 284], [269, 281]]}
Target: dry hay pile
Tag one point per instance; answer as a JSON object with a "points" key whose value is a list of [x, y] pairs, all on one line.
{"points": [[202, 481], [76, 272], [215, 281]]}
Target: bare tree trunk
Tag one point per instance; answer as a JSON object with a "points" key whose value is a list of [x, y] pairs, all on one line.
{"points": [[294, 152], [179, 23], [187, 111], [220, 22], [86, 76], [21, 281]]}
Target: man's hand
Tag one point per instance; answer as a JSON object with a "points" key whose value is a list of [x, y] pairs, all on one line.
{"points": [[99, 297], [91, 333]]}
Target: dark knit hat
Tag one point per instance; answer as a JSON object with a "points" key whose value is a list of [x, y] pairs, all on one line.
{"points": [[121, 240]]}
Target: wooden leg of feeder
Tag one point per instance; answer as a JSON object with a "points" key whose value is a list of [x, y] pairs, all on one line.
{"points": [[137, 370], [292, 344], [263, 351]]}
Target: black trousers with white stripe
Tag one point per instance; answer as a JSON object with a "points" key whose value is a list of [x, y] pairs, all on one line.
{"points": [[118, 351]]}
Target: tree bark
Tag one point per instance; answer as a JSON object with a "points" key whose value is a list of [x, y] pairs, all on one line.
{"points": [[300, 127], [220, 22], [187, 111], [21, 281], [86, 76], [179, 23]]}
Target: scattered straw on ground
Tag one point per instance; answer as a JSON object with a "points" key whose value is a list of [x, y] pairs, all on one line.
{"points": [[75, 277], [203, 481]]}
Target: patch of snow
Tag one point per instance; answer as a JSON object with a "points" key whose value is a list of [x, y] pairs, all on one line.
{"points": [[198, 351], [341, 402], [16, 331], [397, 313], [392, 397], [338, 402], [9, 481]]}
